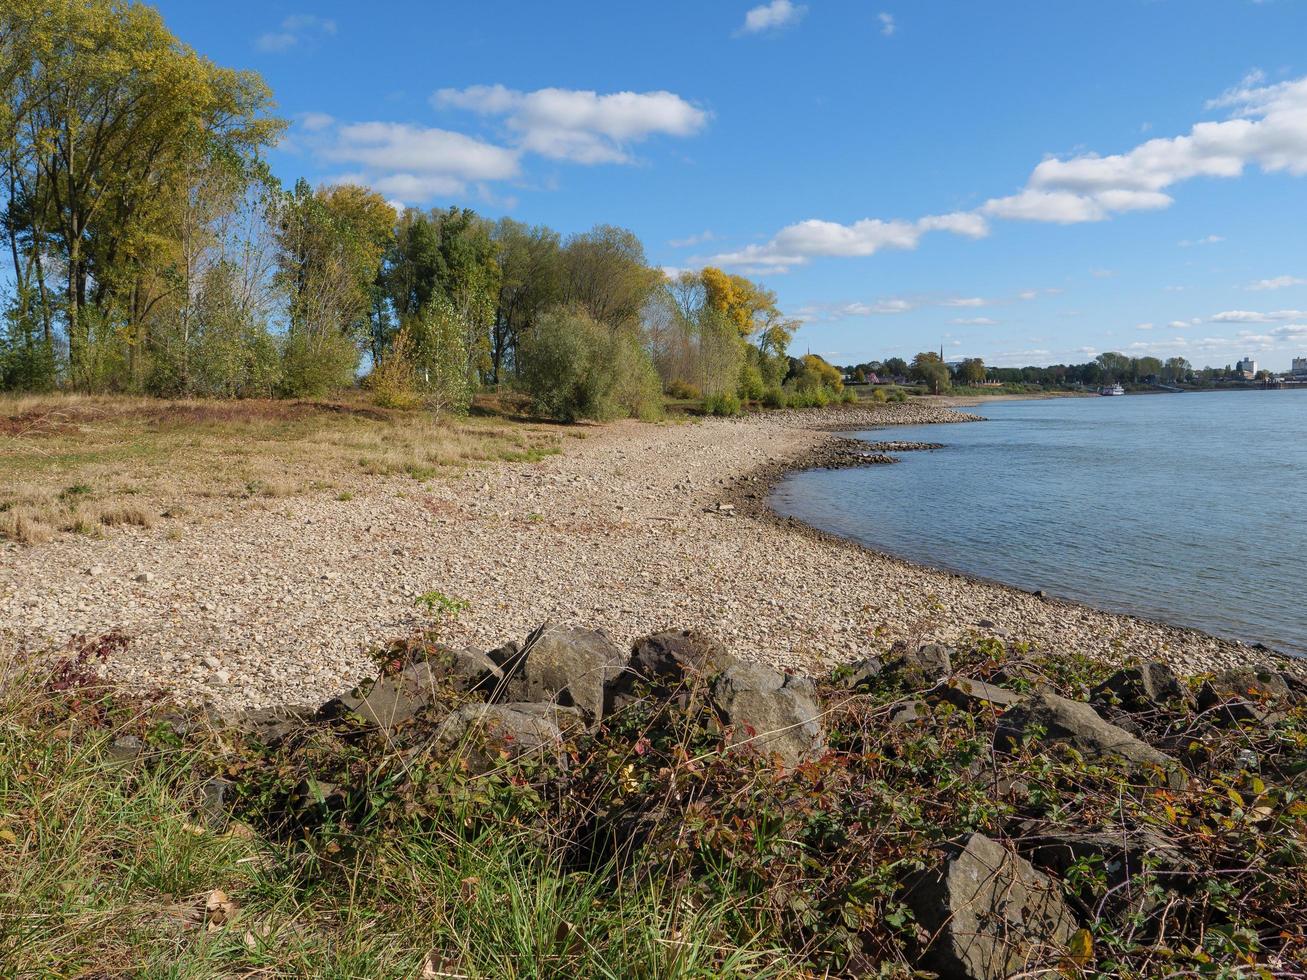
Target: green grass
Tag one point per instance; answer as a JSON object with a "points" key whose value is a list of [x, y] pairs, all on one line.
{"points": [[106, 869]]}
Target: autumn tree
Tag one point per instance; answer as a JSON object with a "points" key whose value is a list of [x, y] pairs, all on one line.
{"points": [[929, 369]]}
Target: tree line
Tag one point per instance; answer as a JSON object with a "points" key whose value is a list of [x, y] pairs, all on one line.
{"points": [[930, 370], [151, 250]]}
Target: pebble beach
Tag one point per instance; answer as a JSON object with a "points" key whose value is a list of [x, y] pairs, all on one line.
{"points": [[633, 528]]}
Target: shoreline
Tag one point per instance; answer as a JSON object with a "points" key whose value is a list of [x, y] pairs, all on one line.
{"points": [[839, 452], [634, 528]]}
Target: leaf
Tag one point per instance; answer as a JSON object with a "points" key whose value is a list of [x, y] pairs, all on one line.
{"points": [[1081, 947]]}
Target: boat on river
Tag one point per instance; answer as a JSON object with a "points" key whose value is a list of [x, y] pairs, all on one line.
{"points": [[1111, 390]]}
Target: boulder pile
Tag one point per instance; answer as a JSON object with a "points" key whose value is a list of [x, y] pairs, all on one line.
{"points": [[1062, 809]]}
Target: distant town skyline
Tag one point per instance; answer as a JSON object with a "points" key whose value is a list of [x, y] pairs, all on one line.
{"points": [[1032, 183]]}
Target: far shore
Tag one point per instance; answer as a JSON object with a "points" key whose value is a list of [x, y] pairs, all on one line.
{"points": [[632, 529]]}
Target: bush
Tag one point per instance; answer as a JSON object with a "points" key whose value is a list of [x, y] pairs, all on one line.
{"points": [[751, 383], [683, 390], [898, 395], [879, 396], [774, 398], [317, 362], [576, 368], [722, 404], [393, 380], [848, 396], [440, 357]]}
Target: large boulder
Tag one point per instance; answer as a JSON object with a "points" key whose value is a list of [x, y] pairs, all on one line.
{"points": [[469, 671], [569, 666], [1078, 725], [989, 914], [975, 695], [485, 736], [662, 663], [1122, 852], [1148, 688], [1256, 694], [774, 713], [389, 701], [920, 667]]}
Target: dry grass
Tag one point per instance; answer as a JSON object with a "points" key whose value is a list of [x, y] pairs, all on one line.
{"points": [[81, 464]]}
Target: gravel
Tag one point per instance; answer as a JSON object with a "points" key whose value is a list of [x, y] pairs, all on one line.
{"points": [[634, 528]]}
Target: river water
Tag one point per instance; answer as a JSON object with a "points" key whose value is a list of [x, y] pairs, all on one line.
{"points": [[1189, 509]]}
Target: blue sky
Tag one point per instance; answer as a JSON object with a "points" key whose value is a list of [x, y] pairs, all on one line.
{"points": [[1020, 181]]}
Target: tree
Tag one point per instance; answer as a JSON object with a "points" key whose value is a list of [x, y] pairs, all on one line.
{"points": [[577, 368], [929, 369], [330, 244], [896, 367], [105, 110], [439, 357], [972, 371], [604, 272]]}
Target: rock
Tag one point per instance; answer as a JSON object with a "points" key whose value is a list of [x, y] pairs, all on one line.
{"points": [[858, 675], [268, 725], [771, 712], [989, 913], [1254, 694], [214, 803], [1124, 852], [95, 570], [387, 702], [921, 667], [470, 671], [124, 749], [662, 663], [145, 577], [907, 712], [571, 667], [672, 654], [970, 694], [1078, 725], [487, 734], [1148, 688]]}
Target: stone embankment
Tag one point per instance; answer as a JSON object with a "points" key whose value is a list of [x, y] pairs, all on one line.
{"points": [[1017, 881]]}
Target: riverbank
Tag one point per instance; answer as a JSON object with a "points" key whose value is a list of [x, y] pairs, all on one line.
{"points": [[632, 528]]}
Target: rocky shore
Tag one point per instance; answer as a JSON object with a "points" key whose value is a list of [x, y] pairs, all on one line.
{"points": [[632, 528]]}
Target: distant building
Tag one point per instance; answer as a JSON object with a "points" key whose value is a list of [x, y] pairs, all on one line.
{"points": [[1247, 367], [1299, 368]]}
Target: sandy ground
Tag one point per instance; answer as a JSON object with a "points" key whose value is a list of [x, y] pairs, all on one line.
{"points": [[624, 531]]}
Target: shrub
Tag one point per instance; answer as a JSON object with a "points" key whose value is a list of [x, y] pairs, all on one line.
{"points": [[440, 357], [317, 362], [773, 398], [683, 390], [724, 403], [576, 368], [879, 396], [394, 380], [751, 383], [848, 396]]}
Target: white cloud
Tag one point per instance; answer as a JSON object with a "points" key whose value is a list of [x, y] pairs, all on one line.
{"points": [[975, 321], [830, 312], [414, 163], [581, 126], [887, 25], [1143, 326], [315, 122], [969, 301], [1250, 316], [797, 244], [295, 30], [1279, 282], [1205, 240], [1266, 128], [1028, 294], [689, 240], [772, 16]]}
